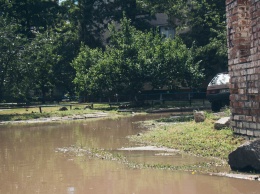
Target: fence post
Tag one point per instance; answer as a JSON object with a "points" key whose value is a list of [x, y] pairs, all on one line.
{"points": [[189, 98]]}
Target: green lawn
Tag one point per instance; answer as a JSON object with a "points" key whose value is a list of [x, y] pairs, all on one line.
{"points": [[195, 138]]}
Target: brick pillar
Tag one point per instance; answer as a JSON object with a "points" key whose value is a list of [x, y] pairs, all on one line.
{"points": [[243, 24]]}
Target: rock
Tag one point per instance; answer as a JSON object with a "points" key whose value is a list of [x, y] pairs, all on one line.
{"points": [[222, 123], [246, 157], [88, 107], [63, 108], [199, 116]]}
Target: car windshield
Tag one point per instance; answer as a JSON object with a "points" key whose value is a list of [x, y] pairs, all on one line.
{"points": [[220, 79]]}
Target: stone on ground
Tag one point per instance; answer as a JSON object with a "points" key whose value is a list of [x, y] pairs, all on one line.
{"points": [[199, 116], [246, 157], [63, 108], [222, 123]]}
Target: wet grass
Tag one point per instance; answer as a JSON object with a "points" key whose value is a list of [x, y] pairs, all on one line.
{"points": [[198, 139], [182, 118], [201, 167], [17, 115], [33, 112]]}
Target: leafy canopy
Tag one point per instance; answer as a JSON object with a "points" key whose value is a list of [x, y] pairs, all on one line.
{"points": [[133, 59]]}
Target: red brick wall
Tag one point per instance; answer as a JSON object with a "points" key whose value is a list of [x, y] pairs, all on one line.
{"points": [[243, 26]]}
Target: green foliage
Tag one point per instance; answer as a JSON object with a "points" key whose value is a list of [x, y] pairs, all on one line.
{"points": [[89, 18], [195, 138], [132, 59], [43, 61], [40, 57], [201, 23], [12, 72], [32, 15], [66, 50], [176, 9], [82, 64]]}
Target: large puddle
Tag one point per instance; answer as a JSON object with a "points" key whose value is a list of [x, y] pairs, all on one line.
{"points": [[29, 163]]}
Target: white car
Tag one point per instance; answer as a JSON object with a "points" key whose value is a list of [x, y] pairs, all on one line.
{"points": [[218, 91]]}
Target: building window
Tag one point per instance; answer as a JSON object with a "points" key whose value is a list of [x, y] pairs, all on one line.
{"points": [[167, 31]]}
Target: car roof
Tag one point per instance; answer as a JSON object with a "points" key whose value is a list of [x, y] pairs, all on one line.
{"points": [[220, 79]]}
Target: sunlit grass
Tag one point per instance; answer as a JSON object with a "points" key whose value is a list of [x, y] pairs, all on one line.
{"points": [[33, 112], [195, 138]]}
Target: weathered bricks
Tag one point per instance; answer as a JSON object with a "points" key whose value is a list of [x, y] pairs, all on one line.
{"points": [[243, 24]]}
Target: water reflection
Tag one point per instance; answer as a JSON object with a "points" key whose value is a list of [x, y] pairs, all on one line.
{"points": [[29, 163], [156, 157]]}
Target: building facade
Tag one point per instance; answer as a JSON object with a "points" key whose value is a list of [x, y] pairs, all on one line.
{"points": [[243, 27]]}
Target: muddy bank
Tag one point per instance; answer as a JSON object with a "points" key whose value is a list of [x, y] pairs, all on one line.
{"points": [[60, 119]]}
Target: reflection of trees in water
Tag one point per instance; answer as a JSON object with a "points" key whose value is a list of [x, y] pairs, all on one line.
{"points": [[28, 160], [27, 157]]}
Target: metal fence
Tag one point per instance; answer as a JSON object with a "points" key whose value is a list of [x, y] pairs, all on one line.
{"points": [[178, 98]]}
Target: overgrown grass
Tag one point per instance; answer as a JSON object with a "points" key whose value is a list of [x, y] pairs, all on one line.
{"points": [[195, 138]]}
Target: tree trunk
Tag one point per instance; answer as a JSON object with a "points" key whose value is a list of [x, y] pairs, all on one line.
{"points": [[43, 95]]}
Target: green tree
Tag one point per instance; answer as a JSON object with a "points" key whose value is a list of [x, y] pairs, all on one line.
{"points": [[57, 48], [32, 15], [90, 18], [41, 55], [200, 23], [12, 71], [67, 48], [132, 59], [133, 10], [208, 31], [82, 63]]}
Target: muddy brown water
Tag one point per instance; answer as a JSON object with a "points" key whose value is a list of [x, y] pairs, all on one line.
{"points": [[30, 164]]}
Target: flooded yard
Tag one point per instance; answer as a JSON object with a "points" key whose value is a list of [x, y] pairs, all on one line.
{"points": [[30, 163]]}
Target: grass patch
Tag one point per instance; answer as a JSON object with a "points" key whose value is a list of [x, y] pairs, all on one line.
{"points": [[33, 112], [194, 138], [75, 151], [177, 119]]}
